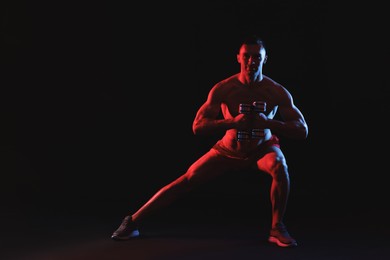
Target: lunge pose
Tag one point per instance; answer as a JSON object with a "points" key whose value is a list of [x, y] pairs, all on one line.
{"points": [[249, 101]]}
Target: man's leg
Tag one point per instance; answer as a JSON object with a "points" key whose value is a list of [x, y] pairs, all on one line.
{"points": [[274, 163], [207, 167]]}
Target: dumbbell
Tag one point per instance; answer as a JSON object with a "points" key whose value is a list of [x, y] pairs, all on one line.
{"points": [[255, 107]]}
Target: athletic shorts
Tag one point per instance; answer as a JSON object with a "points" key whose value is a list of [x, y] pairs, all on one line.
{"points": [[222, 150]]}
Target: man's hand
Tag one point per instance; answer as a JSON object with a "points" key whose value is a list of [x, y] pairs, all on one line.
{"points": [[251, 121], [260, 121]]}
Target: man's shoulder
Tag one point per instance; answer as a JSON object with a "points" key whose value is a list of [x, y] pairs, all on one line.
{"points": [[270, 81], [275, 87], [231, 80], [226, 85]]}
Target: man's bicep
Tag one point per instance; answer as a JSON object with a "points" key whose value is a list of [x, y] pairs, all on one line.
{"points": [[287, 109], [291, 113], [208, 110]]}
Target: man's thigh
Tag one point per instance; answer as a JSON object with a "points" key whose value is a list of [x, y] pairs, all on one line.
{"points": [[212, 164]]}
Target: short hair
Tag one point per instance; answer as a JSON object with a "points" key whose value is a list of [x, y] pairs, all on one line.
{"points": [[252, 39]]}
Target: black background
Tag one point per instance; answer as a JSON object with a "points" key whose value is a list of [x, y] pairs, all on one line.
{"points": [[97, 102]]}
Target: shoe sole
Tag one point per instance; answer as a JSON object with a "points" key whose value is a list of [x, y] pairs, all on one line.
{"points": [[279, 243], [133, 234]]}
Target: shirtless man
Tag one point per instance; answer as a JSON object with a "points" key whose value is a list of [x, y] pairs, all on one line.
{"points": [[232, 152]]}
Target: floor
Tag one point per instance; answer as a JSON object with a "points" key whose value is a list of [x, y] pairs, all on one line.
{"points": [[192, 232]]}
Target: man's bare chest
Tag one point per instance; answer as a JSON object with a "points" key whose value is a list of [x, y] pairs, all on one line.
{"points": [[234, 100]]}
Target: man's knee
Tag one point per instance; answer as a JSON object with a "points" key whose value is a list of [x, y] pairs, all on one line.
{"points": [[279, 168]]}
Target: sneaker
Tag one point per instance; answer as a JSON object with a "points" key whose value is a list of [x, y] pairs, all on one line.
{"points": [[281, 237], [126, 230]]}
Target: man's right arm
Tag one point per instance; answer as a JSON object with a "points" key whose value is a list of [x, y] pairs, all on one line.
{"points": [[206, 120]]}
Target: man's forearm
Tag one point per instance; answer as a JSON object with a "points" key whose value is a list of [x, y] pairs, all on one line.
{"points": [[212, 126], [291, 129]]}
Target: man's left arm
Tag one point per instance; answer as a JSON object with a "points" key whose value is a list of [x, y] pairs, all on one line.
{"points": [[292, 125]]}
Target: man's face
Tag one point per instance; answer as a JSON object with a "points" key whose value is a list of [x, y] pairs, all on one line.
{"points": [[251, 57]]}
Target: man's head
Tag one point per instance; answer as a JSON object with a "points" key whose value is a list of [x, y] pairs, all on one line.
{"points": [[252, 55], [252, 39]]}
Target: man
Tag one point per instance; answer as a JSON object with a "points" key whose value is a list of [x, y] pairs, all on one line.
{"points": [[249, 102]]}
